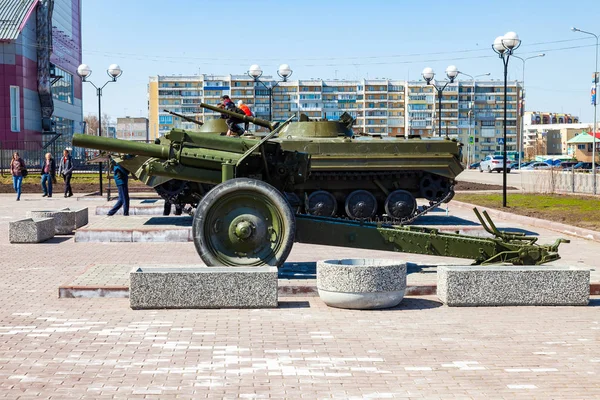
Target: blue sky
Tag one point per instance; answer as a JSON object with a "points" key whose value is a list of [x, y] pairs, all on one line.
{"points": [[339, 39]]}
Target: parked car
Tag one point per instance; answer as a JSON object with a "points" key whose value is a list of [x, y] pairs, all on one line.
{"points": [[582, 165], [568, 165], [492, 163], [474, 165], [513, 165], [536, 165]]}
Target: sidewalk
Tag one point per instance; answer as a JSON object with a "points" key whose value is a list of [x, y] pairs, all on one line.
{"points": [[100, 348]]}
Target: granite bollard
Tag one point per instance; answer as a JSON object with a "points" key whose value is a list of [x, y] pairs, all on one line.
{"points": [[203, 287], [31, 230], [513, 285], [361, 283]]}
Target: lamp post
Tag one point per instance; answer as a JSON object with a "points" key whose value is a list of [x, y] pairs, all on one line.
{"points": [[428, 75], [470, 114], [113, 71], [594, 103], [504, 46], [522, 110], [284, 72]]}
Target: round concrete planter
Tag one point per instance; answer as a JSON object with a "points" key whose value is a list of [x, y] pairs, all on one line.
{"points": [[362, 284]]}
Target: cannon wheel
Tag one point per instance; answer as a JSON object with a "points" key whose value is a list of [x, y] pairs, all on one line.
{"points": [[244, 222]]}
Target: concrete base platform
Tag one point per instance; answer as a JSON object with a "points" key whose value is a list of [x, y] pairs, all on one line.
{"points": [[148, 228], [513, 285], [137, 207], [133, 228], [203, 287]]}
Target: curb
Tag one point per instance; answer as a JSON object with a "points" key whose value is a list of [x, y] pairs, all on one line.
{"points": [[537, 222]]}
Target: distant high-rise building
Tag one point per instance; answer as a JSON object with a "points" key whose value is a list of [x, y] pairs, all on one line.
{"points": [[129, 128], [471, 111]]}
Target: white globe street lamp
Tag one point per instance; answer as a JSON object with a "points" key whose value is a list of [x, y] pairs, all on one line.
{"points": [[428, 75], [504, 46], [113, 71], [255, 72]]}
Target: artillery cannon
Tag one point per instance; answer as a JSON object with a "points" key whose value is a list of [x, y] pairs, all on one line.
{"points": [[244, 216]]}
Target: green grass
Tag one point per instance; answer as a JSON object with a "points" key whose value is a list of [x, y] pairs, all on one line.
{"points": [[580, 211]]}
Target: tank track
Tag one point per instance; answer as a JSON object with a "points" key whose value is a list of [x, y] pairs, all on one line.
{"points": [[396, 221]]}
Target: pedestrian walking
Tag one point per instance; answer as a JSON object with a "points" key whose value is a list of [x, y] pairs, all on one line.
{"points": [[18, 170], [65, 169], [48, 168], [242, 106], [121, 178]]}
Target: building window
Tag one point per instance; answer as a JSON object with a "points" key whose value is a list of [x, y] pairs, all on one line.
{"points": [[64, 126], [15, 109], [62, 90]]}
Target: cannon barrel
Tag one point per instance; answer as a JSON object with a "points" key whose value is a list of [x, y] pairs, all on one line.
{"points": [[185, 153], [256, 121], [121, 146], [195, 121]]}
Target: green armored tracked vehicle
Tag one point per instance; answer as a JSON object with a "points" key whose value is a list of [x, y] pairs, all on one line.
{"points": [[365, 177], [356, 177]]}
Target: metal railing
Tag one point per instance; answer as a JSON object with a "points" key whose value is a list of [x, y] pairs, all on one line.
{"points": [[33, 152]]}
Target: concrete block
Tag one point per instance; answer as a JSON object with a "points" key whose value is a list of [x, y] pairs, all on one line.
{"points": [[31, 230], [64, 221], [513, 285], [203, 287], [81, 217], [361, 283]]}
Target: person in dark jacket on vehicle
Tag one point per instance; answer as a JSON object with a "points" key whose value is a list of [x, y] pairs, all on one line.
{"points": [[65, 169], [48, 169], [121, 177], [232, 123]]}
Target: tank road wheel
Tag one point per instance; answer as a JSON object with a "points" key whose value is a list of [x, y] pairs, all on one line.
{"points": [[243, 222], [361, 204], [400, 204], [321, 203]]}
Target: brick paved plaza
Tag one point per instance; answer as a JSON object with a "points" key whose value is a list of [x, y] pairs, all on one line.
{"points": [[100, 348]]}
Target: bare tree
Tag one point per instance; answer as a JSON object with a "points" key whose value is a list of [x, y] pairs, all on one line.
{"points": [[91, 124], [91, 121]]}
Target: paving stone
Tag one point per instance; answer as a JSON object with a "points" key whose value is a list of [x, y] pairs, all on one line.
{"points": [[513, 285], [361, 283], [203, 287], [31, 230]]}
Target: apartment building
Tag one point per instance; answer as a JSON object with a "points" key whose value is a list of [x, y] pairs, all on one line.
{"points": [[471, 111]]}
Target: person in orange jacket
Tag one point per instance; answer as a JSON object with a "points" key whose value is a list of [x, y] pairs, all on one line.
{"points": [[246, 111]]}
